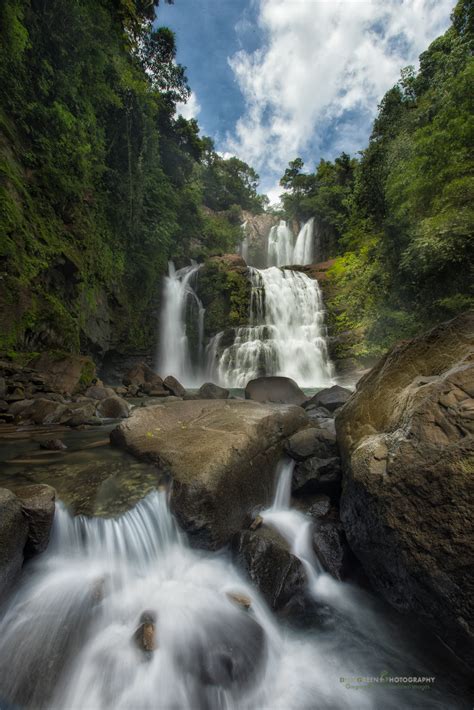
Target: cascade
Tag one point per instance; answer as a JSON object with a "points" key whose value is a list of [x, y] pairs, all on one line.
{"points": [[285, 335], [243, 248], [70, 635], [180, 303], [303, 252], [280, 245]]}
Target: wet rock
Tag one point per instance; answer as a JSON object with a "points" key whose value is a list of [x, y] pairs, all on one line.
{"points": [[408, 455], [240, 599], [330, 398], [13, 536], [320, 507], [42, 411], [211, 391], [77, 414], [99, 392], [113, 408], [265, 558], [317, 475], [331, 548], [145, 636], [256, 523], [281, 390], [173, 386], [221, 455], [38, 505], [53, 445], [312, 442]]}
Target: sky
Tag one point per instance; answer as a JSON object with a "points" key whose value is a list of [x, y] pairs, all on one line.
{"points": [[273, 80]]}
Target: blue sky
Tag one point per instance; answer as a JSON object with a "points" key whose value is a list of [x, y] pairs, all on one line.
{"points": [[274, 79]]}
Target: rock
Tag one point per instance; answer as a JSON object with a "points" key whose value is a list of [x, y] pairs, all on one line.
{"points": [[3, 388], [407, 496], [17, 408], [42, 411], [211, 391], [173, 386], [265, 558], [121, 391], [64, 372], [145, 635], [141, 374], [113, 408], [240, 599], [16, 394], [320, 507], [38, 504], [229, 261], [256, 523], [99, 392], [331, 548], [13, 536], [312, 442], [53, 445], [153, 389], [221, 455], [331, 398], [317, 475], [77, 414], [132, 390], [281, 390]]}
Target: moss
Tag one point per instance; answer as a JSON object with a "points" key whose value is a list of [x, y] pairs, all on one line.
{"points": [[225, 294], [88, 373]]}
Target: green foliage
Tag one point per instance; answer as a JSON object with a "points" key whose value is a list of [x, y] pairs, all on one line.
{"points": [[225, 294]]}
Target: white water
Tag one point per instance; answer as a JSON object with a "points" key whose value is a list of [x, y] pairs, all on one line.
{"points": [[280, 245], [174, 357], [303, 252], [285, 336]]}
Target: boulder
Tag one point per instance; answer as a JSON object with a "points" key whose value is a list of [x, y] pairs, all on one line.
{"points": [[173, 386], [406, 437], [64, 372], [3, 406], [281, 390], [211, 391], [79, 413], [38, 504], [53, 445], [312, 442], [145, 636], [13, 536], [320, 506], [265, 558], [3, 387], [141, 374], [330, 546], [99, 392], [221, 455], [113, 408], [330, 398], [317, 475], [42, 411]]}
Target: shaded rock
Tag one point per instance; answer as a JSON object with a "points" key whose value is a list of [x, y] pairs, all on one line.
{"points": [[3, 406], [99, 392], [3, 388], [281, 390], [121, 391], [312, 442], [320, 507], [173, 386], [408, 452], [331, 548], [13, 536], [221, 455], [113, 408], [18, 407], [331, 398], [64, 372], [53, 445], [317, 475], [265, 558], [154, 389], [42, 411], [77, 414], [141, 374], [15, 394], [38, 504], [211, 391]]}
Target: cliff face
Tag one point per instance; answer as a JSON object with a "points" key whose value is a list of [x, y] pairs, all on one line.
{"points": [[257, 227]]}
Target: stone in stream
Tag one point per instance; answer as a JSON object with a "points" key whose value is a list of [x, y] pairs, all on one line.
{"points": [[38, 505], [281, 390], [315, 475], [330, 398], [145, 636], [221, 455], [211, 391], [406, 437], [240, 599], [330, 545], [53, 445], [13, 536], [174, 386], [113, 408]]}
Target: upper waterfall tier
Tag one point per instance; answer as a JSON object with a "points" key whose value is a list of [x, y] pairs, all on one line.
{"points": [[285, 335]]}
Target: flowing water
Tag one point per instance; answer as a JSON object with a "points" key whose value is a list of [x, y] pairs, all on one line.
{"points": [[285, 335], [68, 635], [181, 305], [280, 245], [304, 247]]}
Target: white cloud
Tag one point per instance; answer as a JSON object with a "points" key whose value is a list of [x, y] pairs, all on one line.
{"points": [[320, 60], [190, 109]]}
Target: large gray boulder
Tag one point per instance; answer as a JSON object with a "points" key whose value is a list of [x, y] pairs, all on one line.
{"points": [[312, 441], [330, 398], [220, 454], [406, 437], [13, 536], [280, 390], [113, 408], [38, 506], [211, 391]]}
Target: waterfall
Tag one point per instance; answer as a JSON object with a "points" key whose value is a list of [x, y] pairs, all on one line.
{"points": [[285, 335], [243, 248], [303, 252], [179, 299], [280, 245]]}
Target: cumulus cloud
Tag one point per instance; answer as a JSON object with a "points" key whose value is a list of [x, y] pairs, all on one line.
{"points": [[190, 109], [322, 68]]}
